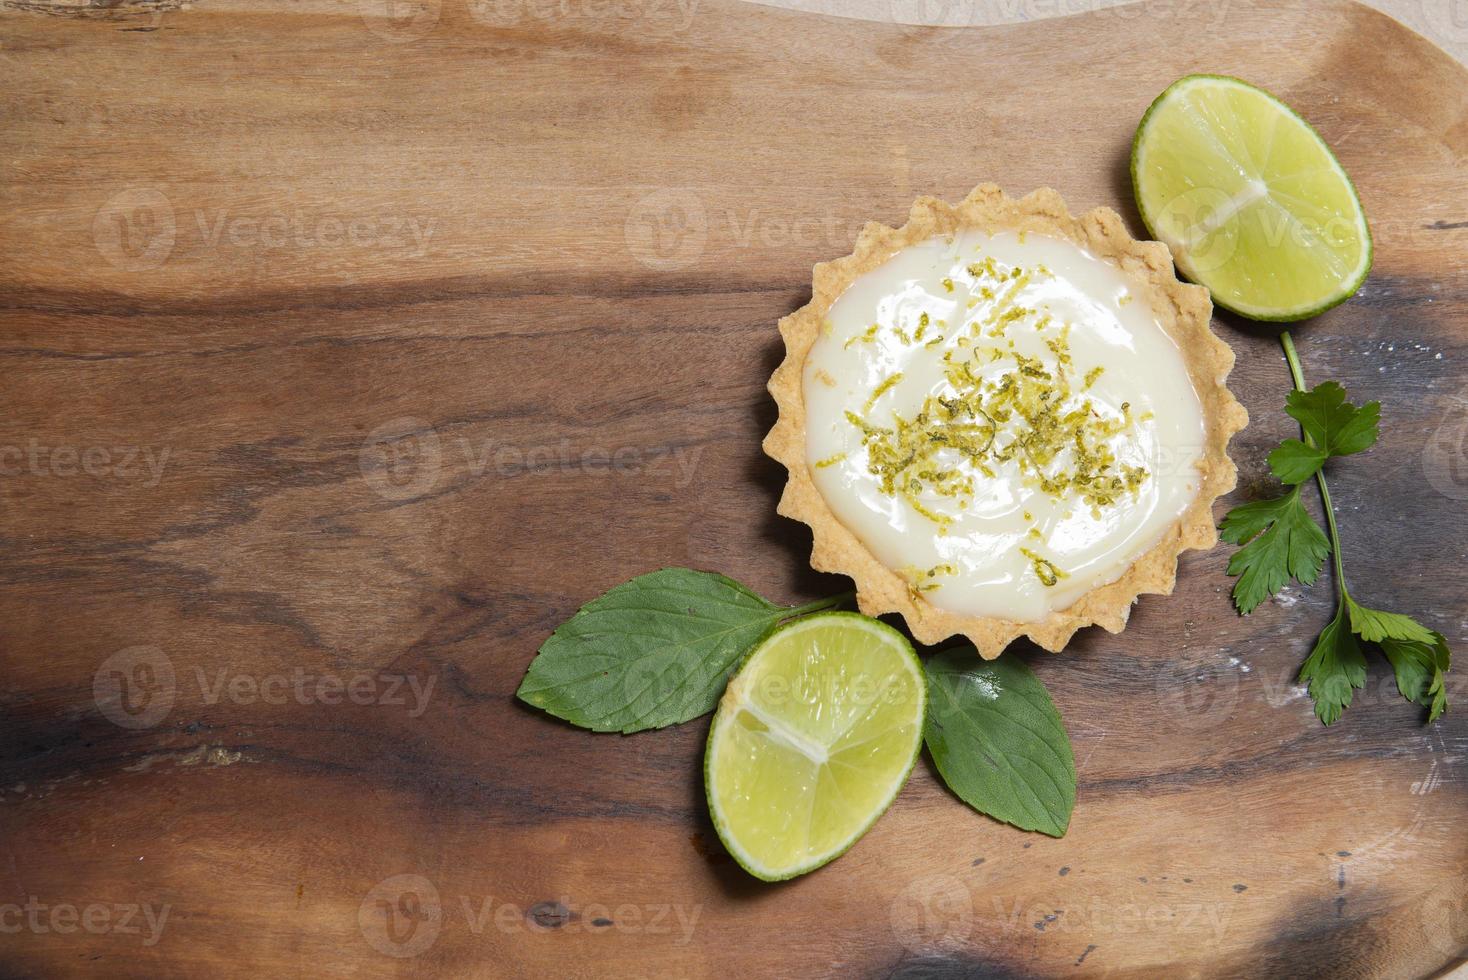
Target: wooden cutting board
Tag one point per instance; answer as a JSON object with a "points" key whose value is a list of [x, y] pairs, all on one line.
{"points": [[348, 349]]}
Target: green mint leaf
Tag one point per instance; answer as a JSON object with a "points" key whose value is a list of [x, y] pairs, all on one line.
{"points": [[1421, 669], [1281, 541], [652, 652], [1334, 424], [1334, 668], [1294, 462], [1373, 625], [998, 741]]}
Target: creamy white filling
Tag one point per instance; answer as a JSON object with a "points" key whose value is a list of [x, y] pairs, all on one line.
{"points": [[986, 547]]}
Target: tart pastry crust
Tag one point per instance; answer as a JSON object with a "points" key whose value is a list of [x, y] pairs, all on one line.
{"points": [[1182, 310]]}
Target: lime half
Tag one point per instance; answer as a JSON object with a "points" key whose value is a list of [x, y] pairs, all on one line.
{"points": [[1250, 199], [812, 741]]}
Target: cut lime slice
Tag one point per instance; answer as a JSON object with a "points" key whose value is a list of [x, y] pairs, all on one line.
{"points": [[812, 741], [1250, 199]]}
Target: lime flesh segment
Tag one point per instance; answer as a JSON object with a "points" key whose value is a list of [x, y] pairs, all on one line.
{"points": [[1250, 199], [812, 741]]}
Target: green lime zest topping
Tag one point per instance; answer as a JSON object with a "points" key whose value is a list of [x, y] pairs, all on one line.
{"points": [[984, 269], [1002, 407], [882, 389], [864, 338], [1044, 568], [919, 581]]}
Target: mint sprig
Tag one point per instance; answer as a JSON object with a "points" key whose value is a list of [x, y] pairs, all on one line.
{"points": [[659, 651], [1281, 541]]}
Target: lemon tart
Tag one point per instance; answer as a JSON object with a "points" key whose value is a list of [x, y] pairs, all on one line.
{"points": [[1002, 420]]}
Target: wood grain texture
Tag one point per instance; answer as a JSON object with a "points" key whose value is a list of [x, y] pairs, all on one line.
{"points": [[348, 348]]}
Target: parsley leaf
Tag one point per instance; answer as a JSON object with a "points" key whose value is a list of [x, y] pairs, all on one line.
{"points": [[1291, 545], [1294, 462], [1420, 668], [1332, 427], [1374, 625], [1332, 423], [1334, 668]]}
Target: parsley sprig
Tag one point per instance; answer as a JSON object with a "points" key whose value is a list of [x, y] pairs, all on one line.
{"points": [[1281, 541]]}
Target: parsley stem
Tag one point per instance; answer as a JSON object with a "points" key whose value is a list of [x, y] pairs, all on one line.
{"points": [[1292, 357], [819, 604]]}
